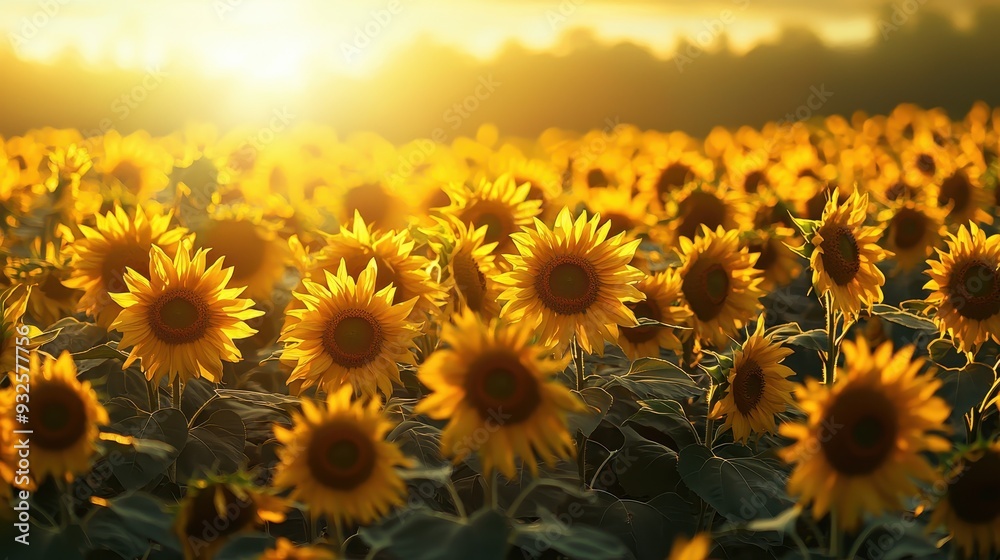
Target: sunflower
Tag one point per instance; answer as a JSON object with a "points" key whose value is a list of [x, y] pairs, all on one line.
{"points": [[101, 257], [134, 167], [669, 163], [64, 419], [704, 205], [183, 319], [628, 213], [217, 509], [572, 281], [492, 377], [543, 178], [285, 549], [501, 205], [845, 254], [963, 193], [861, 447], [471, 268], [970, 509], [965, 281], [348, 333], [779, 264], [913, 231], [250, 245], [925, 162], [13, 302], [45, 269], [758, 386], [720, 284], [663, 303], [337, 461], [397, 264], [696, 548]]}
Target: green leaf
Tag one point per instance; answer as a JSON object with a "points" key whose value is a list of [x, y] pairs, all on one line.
{"points": [[915, 306], [666, 416], [647, 322], [640, 526], [943, 352], [909, 320], [564, 535], [168, 426], [683, 514], [245, 547], [652, 378], [598, 402], [966, 388], [424, 535], [215, 446], [259, 398], [780, 522], [739, 488], [423, 442], [144, 515], [814, 339], [643, 467], [106, 351], [106, 530]]}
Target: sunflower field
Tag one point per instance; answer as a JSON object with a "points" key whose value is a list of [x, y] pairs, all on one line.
{"points": [[623, 344]]}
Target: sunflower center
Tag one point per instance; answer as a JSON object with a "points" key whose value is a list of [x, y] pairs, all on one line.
{"points": [[58, 417], [897, 190], [469, 280], [748, 386], [645, 309], [700, 208], [619, 223], [129, 175], [370, 200], [869, 431], [674, 176], [926, 165], [498, 385], [241, 245], [909, 226], [179, 316], [498, 220], [113, 269], [53, 287], [567, 284], [752, 181], [975, 494], [841, 256], [203, 513], [353, 338], [341, 456], [706, 288], [976, 290], [957, 190], [596, 179]]}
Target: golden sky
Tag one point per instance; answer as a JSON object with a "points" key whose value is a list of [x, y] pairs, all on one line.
{"points": [[271, 40]]}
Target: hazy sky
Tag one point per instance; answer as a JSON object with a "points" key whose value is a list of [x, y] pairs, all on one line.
{"points": [[265, 39]]}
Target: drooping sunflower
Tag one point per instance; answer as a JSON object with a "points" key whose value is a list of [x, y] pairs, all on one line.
{"points": [[471, 268], [348, 333], [101, 257], [182, 320], [913, 232], [965, 285], [720, 284], [285, 549], [215, 510], [758, 386], [860, 449], [336, 460], [501, 205], [250, 245], [970, 508], [663, 303], [845, 254], [572, 281], [490, 376], [64, 418], [396, 261]]}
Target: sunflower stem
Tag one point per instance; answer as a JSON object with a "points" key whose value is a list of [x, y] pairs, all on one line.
{"points": [[581, 439], [153, 391], [830, 373], [176, 394], [834, 535], [709, 421], [489, 490]]}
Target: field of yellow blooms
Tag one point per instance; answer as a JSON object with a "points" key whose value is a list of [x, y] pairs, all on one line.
{"points": [[766, 343]]}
